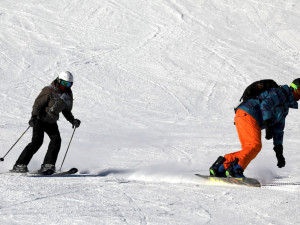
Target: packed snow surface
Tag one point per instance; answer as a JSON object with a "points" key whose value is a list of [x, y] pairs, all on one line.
{"points": [[155, 87]]}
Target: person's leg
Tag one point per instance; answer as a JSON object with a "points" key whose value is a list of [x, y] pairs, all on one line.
{"points": [[54, 145], [34, 145], [250, 137]]}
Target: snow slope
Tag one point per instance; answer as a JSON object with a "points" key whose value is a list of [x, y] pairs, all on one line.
{"points": [[155, 87]]}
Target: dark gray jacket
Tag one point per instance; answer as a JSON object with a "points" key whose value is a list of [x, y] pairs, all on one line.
{"points": [[51, 101]]}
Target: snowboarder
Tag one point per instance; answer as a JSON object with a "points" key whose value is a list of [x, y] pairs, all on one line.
{"points": [[50, 102], [267, 111]]}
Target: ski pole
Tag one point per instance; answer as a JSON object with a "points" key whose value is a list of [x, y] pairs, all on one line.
{"points": [[67, 149], [2, 159]]}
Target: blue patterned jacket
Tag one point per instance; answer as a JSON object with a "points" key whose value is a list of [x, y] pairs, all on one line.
{"points": [[272, 104]]}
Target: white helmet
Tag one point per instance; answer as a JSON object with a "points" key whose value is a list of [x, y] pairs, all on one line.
{"points": [[67, 76]]}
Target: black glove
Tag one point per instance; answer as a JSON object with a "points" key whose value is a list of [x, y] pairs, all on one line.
{"points": [[269, 129], [280, 159], [76, 123], [32, 121]]}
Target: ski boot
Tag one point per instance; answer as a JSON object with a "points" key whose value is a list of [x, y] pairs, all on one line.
{"points": [[47, 169], [19, 168], [217, 169], [235, 170]]}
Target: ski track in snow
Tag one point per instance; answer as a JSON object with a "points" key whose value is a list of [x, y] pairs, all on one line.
{"points": [[155, 87]]}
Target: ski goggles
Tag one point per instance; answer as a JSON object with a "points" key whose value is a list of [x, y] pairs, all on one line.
{"points": [[65, 83], [295, 87]]}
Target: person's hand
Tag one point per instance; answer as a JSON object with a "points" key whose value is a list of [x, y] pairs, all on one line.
{"points": [[76, 123], [32, 121], [279, 155]]}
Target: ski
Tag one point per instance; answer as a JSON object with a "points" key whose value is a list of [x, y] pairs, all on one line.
{"points": [[250, 182], [51, 173], [46, 173]]}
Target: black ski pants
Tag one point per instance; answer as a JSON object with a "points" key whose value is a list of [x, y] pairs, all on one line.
{"points": [[37, 140]]}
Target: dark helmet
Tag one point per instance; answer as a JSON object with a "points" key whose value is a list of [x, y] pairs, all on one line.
{"points": [[295, 85], [296, 81]]}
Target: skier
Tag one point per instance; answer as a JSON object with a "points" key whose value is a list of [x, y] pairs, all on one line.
{"points": [[50, 102], [268, 111]]}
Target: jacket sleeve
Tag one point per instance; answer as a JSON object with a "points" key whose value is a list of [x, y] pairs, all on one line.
{"points": [[275, 97], [68, 115], [40, 102], [279, 132], [68, 111], [269, 100]]}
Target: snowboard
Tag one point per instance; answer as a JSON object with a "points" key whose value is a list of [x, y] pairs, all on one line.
{"points": [[246, 181]]}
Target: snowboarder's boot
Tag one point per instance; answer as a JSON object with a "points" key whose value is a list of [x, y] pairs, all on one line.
{"points": [[235, 170], [19, 168], [47, 169], [217, 169]]}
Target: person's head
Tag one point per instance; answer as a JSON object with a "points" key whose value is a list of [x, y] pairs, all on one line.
{"points": [[295, 85], [65, 80]]}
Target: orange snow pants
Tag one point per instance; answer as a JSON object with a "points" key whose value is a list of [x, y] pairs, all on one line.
{"points": [[250, 137]]}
